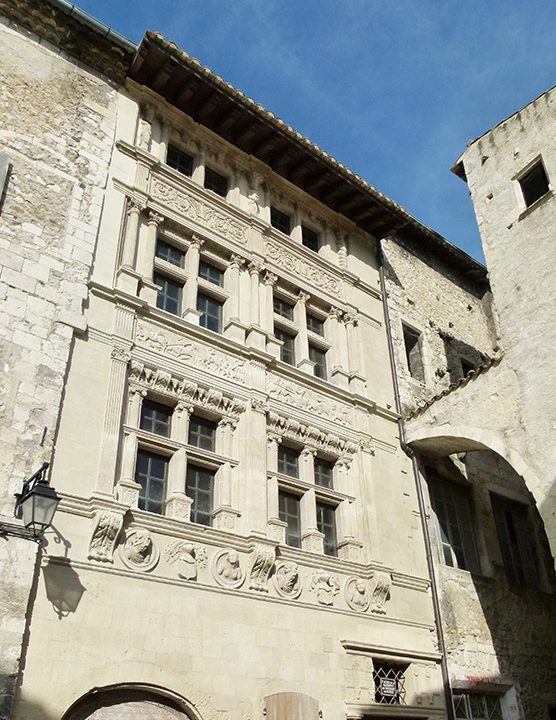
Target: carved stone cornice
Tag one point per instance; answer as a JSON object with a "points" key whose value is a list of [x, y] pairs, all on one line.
{"points": [[311, 437]]}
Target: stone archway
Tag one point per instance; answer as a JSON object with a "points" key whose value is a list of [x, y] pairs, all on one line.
{"points": [[131, 702]]}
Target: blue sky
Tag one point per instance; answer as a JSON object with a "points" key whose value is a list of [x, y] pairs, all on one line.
{"points": [[394, 89]]}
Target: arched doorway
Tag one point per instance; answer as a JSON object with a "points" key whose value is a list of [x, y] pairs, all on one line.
{"points": [[131, 702]]}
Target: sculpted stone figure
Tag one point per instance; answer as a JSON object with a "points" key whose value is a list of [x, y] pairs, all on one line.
{"points": [[287, 580], [358, 594], [105, 533], [261, 566], [227, 569], [190, 556], [382, 582], [139, 552], [325, 586]]}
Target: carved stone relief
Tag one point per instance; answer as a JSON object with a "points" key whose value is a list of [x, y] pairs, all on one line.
{"points": [[381, 584], [309, 400], [309, 435], [139, 552], [186, 390], [209, 359], [303, 269], [262, 563], [325, 586], [359, 679], [287, 580], [105, 534], [183, 202], [227, 569], [190, 556], [358, 594]]}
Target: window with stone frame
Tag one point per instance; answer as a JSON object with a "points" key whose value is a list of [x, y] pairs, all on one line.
{"points": [[179, 160], [151, 472], [155, 418], [169, 275], [452, 507], [210, 312], [477, 706], [202, 433], [318, 356], [413, 352], [389, 680], [169, 297], [310, 238], [288, 461], [200, 488], [280, 220], [324, 470], [290, 513], [326, 524], [534, 183], [210, 295], [216, 182]]}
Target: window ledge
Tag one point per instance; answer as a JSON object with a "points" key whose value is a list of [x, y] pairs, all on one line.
{"points": [[287, 482], [541, 201]]}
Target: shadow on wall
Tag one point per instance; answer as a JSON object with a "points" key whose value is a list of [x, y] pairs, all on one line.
{"points": [[32, 709]]}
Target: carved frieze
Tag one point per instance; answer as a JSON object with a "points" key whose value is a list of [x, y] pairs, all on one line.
{"points": [[139, 551], [190, 557], [262, 562], [306, 399], [105, 534], [381, 584], [308, 435], [358, 594], [325, 585], [227, 569], [287, 580], [187, 391], [299, 267], [209, 359], [201, 212]]}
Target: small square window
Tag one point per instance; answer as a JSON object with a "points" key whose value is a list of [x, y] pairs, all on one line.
{"points": [[323, 472], [179, 160], [151, 471], [280, 220], [315, 325], [289, 512], [216, 182], [389, 679], [318, 356], [211, 312], [202, 433], [155, 418], [211, 273], [288, 461], [199, 486], [171, 254], [287, 349], [310, 238], [169, 295], [326, 524], [534, 184], [412, 344], [283, 308]]}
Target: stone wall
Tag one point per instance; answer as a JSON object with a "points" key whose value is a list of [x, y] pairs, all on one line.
{"points": [[57, 127]]}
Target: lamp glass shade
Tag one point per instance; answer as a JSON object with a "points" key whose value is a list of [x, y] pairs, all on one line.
{"points": [[38, 507]]}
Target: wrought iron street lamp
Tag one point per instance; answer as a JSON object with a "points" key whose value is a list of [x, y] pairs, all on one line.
{"points": [[37, 502]]}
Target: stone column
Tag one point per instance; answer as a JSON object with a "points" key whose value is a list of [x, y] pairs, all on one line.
{"points": [[224, 515], [233, 327], [356, 378], [178, 505], [301, 339], [234, 192], [127, 490], [276, 529], [149, 290], [311, 539], [192, 257], [164, 138], [348, 547], [198, 174], [296, 233], [128, 278], [335, 330], [255, 335], [119, 359]]}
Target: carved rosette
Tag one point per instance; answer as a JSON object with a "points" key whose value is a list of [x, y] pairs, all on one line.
{"points": [[358, 594], [325, 585], [262, 562], [381, 585], [227, 570], [287, 581], [105, 535], [190, 557], [139, 551]]}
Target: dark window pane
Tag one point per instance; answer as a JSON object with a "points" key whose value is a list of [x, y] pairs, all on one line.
{"points": [[211, 273], [323, 472], [287, 349], [315, 325], [326, 524], [179, 160], [155, 418], [211, 313], [310, 238], [199, 487], [202, 433], [169, 295], [515, 536], [289, 513], [534, 184], [412, 343], [288, 461], [216, 182], [280, 220], [283, 308], [167, 252], [150, 473], [318, 356]]}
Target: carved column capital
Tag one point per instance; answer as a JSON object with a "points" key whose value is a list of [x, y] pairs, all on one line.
{"points": [[350, 317], [255, 267], [154, 218], [236, 261], [197, 242], [335, 313], [302, 297], [134, 206], [183, 408], [270, 279], [121, 355], [273, 439]]}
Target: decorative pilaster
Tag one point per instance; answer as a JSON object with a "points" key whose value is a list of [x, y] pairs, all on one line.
{"points": [[301, 339], [296, 233], [192, 258], [146, 262], [356, 377], [224, 515], [348, 547], [178, 505], [311, 539], [276, 528], [198, 174], [127, 490], [233, 328], [335, 330], [255, 335], [127, 276]]}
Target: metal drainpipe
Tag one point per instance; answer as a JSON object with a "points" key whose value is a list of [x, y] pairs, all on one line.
{"points": [[420, 497]]}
